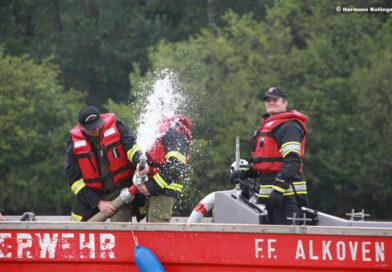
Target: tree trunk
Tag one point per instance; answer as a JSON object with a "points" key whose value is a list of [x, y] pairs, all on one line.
{"points": [[57, 26], [210, 13]]}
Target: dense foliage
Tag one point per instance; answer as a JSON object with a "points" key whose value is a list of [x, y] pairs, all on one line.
{"points": [[335, 67], [36, 115]]}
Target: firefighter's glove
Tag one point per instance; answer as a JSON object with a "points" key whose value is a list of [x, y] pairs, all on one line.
{"points": [[237, 174], [276, 196]]}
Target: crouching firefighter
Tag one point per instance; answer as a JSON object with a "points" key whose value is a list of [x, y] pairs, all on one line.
{"points": [[279, 144], [100, 160], [167, 160]]}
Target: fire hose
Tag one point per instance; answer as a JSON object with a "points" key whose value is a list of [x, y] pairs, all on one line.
{"points": [[127, 195]]}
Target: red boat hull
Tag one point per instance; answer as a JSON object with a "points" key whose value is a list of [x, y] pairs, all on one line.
{"points": [[202, 247]]}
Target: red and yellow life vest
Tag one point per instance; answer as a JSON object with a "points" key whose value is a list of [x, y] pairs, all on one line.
{"points": [[119, 167], [156, 155], [266, 156]]}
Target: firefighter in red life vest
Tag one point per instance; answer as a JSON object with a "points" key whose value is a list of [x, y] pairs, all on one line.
{"points": [[279, 144], [100, 160], [167, 160]]}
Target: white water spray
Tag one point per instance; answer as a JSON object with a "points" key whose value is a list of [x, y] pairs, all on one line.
{"points": [[162, 103]]}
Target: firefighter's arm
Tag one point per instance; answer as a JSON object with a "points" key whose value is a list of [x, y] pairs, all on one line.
{"points": [[176, 149], [128, 141], [76, 181], [289, 137]]}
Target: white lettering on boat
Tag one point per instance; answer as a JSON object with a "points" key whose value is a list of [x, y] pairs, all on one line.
{"points": [[338, 250], [270, 248], [90, 245], [42, 245], [66, 244], [380, 255], [365, 251], [3, 237], [107, 245], [47, 244], [24, 241]]}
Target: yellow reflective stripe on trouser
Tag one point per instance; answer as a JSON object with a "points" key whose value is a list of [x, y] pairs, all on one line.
{"points": [[290, 147], [175, 186], [132, 152], [142, 210], [277, 188], [266, 190], [263, 196], [76, 218], [160, 180], [299, 186], [78, 185], [177, 155]]}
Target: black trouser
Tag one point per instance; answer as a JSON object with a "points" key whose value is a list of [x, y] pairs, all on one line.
{"points": [[279, 216]]}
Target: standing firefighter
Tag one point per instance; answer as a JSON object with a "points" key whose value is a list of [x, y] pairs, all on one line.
{"points": [[167, 160], [100, 160], [279, 145]]}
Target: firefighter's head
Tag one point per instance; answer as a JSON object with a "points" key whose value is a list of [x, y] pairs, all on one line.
{"points": [[90, 120], [275, 101]]}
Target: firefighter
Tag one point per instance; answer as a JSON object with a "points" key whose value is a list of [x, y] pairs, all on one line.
{"points": [[100, 160], [167, 160], [279, 144]]}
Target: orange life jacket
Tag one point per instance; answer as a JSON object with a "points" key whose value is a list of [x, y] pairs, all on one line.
{"points": [[266, 156], [120, 169]]}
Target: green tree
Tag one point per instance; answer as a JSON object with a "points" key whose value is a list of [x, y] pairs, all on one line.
{"points": [[96, 42], [324, 65], [372, 186], [36, 115]]}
